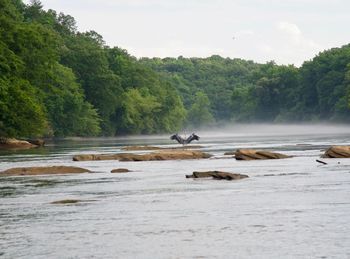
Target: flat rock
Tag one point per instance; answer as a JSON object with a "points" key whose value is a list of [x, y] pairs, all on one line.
{"points": [[44, 170], [251, 154], [217, 175], [140, 148], [160, 155], [337, 152], [120, 170]]}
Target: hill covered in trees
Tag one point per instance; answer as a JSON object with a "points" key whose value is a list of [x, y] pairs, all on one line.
{"points": [[239, 90], [57, 81]]}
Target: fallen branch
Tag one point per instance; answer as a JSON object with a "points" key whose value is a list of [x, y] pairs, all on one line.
{"points": [[321, 162]]}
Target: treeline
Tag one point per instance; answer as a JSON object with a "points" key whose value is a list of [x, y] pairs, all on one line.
{"points": [[57, 81], [238, 90]]}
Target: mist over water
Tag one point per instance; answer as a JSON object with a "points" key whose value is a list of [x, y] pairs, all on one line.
{"points": [[263, 129], [288, 208]]}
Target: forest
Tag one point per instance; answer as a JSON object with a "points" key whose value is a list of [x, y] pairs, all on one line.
{"points": [[56, 81]]}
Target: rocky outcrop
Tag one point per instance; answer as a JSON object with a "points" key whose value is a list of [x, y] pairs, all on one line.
{"points": [[251, 154], [12, 143], [120, 170], [217, 175], [161, 155], [337, 152], [44, 170]]}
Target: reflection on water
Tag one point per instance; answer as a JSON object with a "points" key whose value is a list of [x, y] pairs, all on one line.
{"points": [[290, 208]]}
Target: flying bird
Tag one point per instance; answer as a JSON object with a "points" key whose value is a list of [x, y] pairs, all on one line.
{"points": [[183, 141]]}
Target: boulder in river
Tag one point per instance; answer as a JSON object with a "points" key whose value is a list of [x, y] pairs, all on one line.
{"points": [[251, 154], [44, 170], [37, 142], [337, 152], [218, 175], [159, 155], [12, 143]]}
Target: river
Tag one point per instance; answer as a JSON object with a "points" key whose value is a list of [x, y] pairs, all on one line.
{"points": [[288, 208]]}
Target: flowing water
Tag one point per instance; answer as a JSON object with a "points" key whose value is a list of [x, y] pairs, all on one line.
{"points": [[288, 208]]}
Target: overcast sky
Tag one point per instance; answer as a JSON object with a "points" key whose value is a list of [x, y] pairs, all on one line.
{"points": [[286, 31]]}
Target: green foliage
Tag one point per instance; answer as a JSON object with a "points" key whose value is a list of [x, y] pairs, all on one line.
{"points": [[199, 113], [69, 113], [57, 81], [21, 114]]}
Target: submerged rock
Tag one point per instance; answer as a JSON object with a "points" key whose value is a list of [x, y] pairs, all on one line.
{"points": [[120, 170], [67, 201], [70, 201], [44, 170], [161, 155], [337, 152], [12, 143], [218, 175], [251, 154]]}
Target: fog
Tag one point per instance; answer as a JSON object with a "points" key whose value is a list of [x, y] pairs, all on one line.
{"points": [[264, 129]]}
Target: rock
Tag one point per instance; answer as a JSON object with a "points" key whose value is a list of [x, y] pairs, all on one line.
{"points": [[37, 142], [251, 154], [67, 201], [140, 148], [230, 153], [160, 155], [12, 143], [44, 170], [70, 201], [337, 152], [120, 170], [217, 175]]}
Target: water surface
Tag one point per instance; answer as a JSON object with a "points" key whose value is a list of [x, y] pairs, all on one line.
{"points": [[289, 208]]}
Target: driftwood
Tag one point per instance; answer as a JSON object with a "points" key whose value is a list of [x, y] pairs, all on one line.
{"points": [[321, 162]]}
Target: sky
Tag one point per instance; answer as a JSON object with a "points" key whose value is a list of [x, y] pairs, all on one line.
{"points": [[285, 31]]}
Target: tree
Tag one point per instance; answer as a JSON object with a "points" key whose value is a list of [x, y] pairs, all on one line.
{"points": [[199, 113]]}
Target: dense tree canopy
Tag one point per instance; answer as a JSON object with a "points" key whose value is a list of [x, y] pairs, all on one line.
{"points": [[57, 81]]}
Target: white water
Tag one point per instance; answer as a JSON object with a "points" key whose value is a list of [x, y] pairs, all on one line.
{"points": [[289, 208]]}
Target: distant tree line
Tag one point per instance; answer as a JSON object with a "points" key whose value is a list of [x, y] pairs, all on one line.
{"points": [[244, 91], [57, 81]]}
